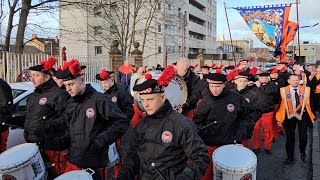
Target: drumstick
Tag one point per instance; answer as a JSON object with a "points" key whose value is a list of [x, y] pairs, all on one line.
{"points": [[214, 122], [11, 125], [154, 166]]}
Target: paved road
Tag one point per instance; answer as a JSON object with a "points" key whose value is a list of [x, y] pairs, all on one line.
{"points": [[271, 167]]}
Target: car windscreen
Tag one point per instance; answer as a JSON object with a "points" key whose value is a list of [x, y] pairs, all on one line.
{"points": [[17, 92]]}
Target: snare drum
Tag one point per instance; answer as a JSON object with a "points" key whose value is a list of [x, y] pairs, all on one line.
{"points": [[22, 162], [176, 91], [234, 162], [76, 175]]}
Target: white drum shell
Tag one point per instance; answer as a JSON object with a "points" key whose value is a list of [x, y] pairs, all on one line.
{"points": [[75, 175], [23, 162], [234, 162]]}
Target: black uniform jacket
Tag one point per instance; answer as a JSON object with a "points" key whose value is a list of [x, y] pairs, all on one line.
{"points": [[252, 98], [44, 124], [167, 139], [194, 87], [122, 99], [224, 119], [6, 102], [95, 122], [266, 95]]}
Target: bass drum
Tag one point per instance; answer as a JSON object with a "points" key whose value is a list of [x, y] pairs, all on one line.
{"points": [[176, 91]]}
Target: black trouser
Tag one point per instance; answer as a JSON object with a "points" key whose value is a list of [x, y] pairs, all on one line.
{"points": [[290, 127]]}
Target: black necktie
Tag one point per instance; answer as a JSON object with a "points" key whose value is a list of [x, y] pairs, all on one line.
{"points": [[296, 97]]}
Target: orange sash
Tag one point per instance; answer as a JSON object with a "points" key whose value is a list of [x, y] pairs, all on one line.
{"points": [[318, 87], [291, 110]]}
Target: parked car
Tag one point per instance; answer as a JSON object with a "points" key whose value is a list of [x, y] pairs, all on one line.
{"points": [[21, 92]]}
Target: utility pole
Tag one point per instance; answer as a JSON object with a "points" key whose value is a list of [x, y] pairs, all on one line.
{"points": [[164, 51]]}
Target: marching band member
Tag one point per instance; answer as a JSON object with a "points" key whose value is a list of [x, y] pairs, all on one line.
{"points": [[241, 85], [274, 78], [6, 102], [266, 91], [295, 109], [193, 86], [44, 124], [164, 141], [118, 95], [222, 117], [95, 122]]}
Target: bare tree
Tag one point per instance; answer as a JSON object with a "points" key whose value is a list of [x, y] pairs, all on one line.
{"points": [[12, 11], [23, 17]]}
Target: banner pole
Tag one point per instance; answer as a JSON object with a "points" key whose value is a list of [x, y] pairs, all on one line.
{"points": [[234, 58], [299, 52]]}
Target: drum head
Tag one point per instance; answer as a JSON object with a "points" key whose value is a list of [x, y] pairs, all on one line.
{"points": [[17, 155], [176, 91], [78, 175], [235, 158]]}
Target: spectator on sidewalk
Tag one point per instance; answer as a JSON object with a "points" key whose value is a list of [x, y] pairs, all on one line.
{"points": [[124, 75]]}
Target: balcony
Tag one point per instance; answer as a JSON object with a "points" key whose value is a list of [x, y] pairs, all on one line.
{"points": [[197, 28], [197, 13]]}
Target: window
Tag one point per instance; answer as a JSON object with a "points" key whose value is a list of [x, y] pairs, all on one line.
{"points": [[97, 30], [97, 11], [159, 49], [305, 49], [159, 27], [98, 50], [17, 92], [113, 29], [169, 7], [159, 6]]}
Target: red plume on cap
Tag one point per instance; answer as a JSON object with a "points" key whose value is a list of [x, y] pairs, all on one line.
{"points": [[167, 75], [240, 70], [283, 69], [104, 74], [218, 71], [254, 71], [195, 66], [291, 62], [50, 63], [65, 66], [263, 71], [251, 59], [238, 64], [58, 68], [221, 66], [42, 62], [213, 65], [274, 70], [232, 75], [148, 76], [74, 66]]}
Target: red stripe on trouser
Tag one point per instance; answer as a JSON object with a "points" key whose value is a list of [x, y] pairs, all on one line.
{"points": [[59, 159], [245, 143], [71, 167], [276, 129], [209, 171], [4, 139], [266, 121], [188, 114]]}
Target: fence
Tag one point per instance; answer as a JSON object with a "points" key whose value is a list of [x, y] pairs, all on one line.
{"points": [[14, 65]]}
